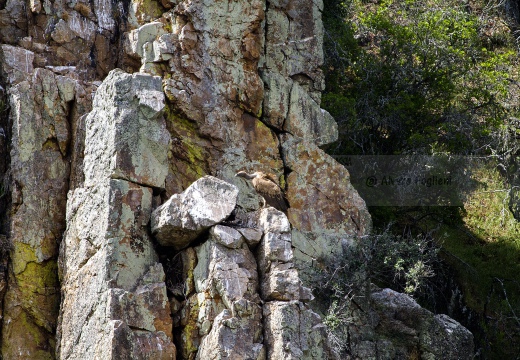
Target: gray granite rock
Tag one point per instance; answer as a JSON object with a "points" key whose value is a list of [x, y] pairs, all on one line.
{"points": [[185, 216]]}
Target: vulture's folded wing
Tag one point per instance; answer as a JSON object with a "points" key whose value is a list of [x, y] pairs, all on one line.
{"points": [[271, 192]]}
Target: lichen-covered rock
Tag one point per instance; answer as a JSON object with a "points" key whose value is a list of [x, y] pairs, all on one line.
{"points": [[280, 281], [315, 180], [318, 182], [229, 274], [275, 248], [16, 62], [40, 178], [224, 317], [127, 132], [140, 41], [112, 283], [210, 64], [114, 302], [252, 236], [293, 331], [294, 40], [306, 120], [446, 338], [395, 326], [225, 320], [232, 333], [51, 55], [227, 236], [273, 221], [184, 216], [288, 106], [77, 33], [276, 98]]}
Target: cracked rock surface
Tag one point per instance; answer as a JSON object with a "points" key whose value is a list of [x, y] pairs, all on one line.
{"points": [[114, 303]]}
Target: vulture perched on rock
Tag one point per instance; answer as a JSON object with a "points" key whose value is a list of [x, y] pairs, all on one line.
{"points": [[267, 187]]}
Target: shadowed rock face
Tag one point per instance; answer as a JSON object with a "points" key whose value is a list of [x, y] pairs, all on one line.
{"points": [[206, 88], [39, 172], [396, 326]]}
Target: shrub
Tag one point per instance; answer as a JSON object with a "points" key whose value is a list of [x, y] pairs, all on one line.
{"points": [[402, 263]]}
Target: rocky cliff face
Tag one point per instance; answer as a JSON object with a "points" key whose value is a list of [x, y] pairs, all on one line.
{"points": [[87, 153]]}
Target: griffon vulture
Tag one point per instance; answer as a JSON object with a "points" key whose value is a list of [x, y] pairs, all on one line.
{"points": [[266, 186]]}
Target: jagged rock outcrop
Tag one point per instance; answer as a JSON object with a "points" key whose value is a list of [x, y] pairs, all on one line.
{"points": [[291, 71], [51, 55], [237, 86]]}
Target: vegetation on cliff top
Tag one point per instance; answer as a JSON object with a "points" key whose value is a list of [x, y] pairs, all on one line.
{"points": [[428, 77]]}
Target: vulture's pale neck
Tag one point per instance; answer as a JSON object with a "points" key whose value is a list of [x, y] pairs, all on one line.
{"points": [[246, 175]]}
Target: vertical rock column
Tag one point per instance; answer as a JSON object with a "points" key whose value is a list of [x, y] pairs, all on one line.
{"points": [[226, 283], [291, 329], [40, 113], [114, 303]]}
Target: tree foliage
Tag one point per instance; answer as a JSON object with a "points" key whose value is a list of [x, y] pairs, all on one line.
{"points": [[429, 76], [418, 76]]}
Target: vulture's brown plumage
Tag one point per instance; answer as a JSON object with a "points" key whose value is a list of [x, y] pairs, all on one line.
{"points": [[267, 187]]}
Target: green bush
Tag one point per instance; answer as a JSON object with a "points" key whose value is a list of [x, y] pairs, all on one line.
{"points": [[402, 263], [422, 77]]}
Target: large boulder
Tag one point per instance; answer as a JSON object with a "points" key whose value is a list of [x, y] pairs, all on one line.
{"points": [[207, 202]]}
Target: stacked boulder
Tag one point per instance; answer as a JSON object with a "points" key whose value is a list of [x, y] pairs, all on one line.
{"points": [[228, 302], [292, 330]]}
